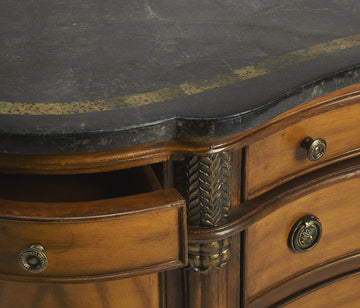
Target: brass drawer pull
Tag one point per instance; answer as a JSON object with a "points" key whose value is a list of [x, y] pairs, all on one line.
{"points": [[33, 259], [305, 234], [315, 148]]}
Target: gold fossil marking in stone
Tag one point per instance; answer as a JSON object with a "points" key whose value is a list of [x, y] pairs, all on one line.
{"points": [[184, 89]]}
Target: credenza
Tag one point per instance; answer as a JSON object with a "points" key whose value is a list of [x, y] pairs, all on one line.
{"points": [[266, 217], [189, 154]]}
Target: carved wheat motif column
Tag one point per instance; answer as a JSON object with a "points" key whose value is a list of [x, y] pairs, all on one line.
{"points": [[207, 192]]}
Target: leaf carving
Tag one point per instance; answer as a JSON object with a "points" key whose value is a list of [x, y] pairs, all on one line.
{"points": [[208, 189]]}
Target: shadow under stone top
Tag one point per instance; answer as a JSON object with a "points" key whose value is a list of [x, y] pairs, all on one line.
{"points": [[84, 76]]}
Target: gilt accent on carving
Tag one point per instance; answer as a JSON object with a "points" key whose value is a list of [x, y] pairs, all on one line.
{"points": [[205, 182], [207, 190], [203, 257]]}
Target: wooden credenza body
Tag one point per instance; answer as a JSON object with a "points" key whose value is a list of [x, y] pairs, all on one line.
{"points": [[190, 223]]}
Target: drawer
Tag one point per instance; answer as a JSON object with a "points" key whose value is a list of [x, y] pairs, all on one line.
{"points": [[97, 239], [137, 292], [280, 156], [269, 259], [343, 293]]}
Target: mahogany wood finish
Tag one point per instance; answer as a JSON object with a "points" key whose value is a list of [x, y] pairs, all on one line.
{"points": [[96, 239], [219, 287], [256, 210], [307, 281], [139, 292], [160, 151], [253, 210], [280, 156], [103, 217], [338, 210], [342, 294]]}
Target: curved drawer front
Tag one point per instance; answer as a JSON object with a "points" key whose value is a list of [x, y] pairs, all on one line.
{"points": [[281, 156], [343, 293], [270, 260], [115, 237], [139, 292]]}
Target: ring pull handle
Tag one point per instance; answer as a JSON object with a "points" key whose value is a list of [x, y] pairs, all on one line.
{"points": [[305, 234], [315, 148], [33, 259]]}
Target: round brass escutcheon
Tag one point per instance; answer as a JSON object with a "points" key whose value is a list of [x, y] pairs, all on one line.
{"points": [[305, 234], [315, 148], [33, 259]]}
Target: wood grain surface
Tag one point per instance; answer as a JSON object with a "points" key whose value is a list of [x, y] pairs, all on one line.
{"points": [[340, 294], [159, 151], [251, 211], [219, 287], [135, 292], [307, 281], [280, 157], [99, 239], [144, 233], [268, 257]]}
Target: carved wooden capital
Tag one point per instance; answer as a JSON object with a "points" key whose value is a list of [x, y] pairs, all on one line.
{"points": [[203, 257]]}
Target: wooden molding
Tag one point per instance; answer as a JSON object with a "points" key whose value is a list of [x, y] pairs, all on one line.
{"points": [[306, 282], [161, 150], [255, 209]]}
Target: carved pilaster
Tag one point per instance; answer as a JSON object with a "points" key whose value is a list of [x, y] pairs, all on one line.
{"points": [[207, 192]]}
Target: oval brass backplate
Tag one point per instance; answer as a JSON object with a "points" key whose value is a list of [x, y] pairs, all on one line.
{"points": [[305, 234]]}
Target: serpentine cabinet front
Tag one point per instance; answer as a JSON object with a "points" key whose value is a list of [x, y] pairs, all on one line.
{"points": [[269, 217]]}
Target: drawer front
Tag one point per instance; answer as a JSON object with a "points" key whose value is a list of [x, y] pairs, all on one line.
{"points": [[139, 292], [269, 259], [115, 237], [344, 293], [280, 156]]}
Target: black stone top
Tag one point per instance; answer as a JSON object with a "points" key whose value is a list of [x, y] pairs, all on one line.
{"points": [[90, 75]]}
